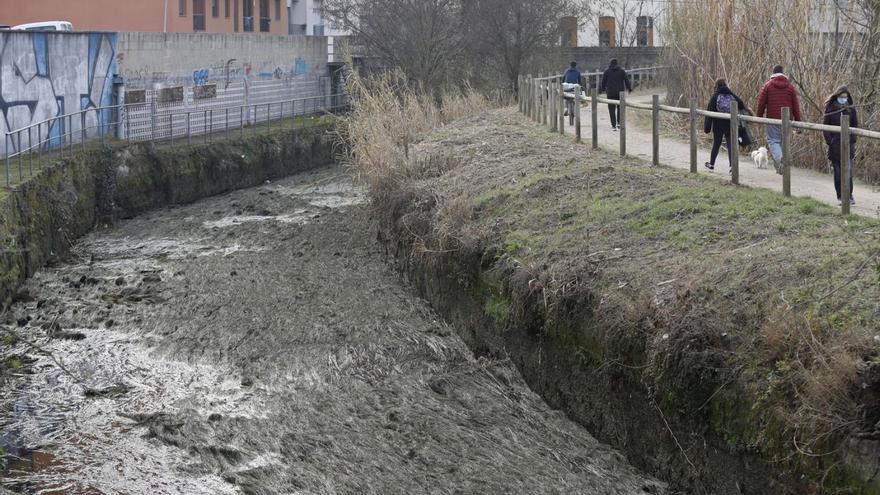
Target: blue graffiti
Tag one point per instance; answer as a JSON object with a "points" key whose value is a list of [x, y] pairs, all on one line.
{"points": [[40, 82], [300, 67], [200, 77], [41, 54]]}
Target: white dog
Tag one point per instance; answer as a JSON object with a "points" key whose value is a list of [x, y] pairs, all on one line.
{"points": [[759, 156]]}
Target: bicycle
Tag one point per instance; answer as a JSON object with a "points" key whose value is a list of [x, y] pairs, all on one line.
{"points": [[570, 102]]}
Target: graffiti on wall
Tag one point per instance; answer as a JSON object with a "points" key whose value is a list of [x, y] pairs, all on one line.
{"points": [[299, 67], [45, 75], [201, 76]]}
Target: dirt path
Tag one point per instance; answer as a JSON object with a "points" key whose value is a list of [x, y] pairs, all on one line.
{"points": [[676, 153], [259, 343]]}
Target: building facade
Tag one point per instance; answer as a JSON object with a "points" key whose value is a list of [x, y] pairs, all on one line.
{"points": [[171, 16], [623, 23]]}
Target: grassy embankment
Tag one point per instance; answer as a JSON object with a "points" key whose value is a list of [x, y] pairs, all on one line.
{"points": [[748, 314]]}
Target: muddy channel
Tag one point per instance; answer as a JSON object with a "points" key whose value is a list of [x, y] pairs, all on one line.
{"points": [[260, 342]]}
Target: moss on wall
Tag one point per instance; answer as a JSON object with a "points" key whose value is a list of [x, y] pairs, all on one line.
{"points": [[41, 219]]}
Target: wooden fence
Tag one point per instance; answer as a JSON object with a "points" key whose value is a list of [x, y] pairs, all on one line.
{"points": [[542, 99]]}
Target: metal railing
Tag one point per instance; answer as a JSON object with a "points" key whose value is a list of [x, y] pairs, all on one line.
{"points": [[543, 100], [56, 137]]}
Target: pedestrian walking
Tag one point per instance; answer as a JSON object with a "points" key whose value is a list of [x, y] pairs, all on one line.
{"points": [[839, 105], [722, 101], [614, 81], [777, 93]]}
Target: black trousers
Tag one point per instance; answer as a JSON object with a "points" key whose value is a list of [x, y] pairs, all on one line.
{"points": [[614, 110], [836, 165], [717, 136]]}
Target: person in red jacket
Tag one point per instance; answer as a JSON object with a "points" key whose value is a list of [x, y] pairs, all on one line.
{"points": [[777, 94]]}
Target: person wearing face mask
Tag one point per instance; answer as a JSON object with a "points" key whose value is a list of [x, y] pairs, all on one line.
{"points": [[840, 105]]}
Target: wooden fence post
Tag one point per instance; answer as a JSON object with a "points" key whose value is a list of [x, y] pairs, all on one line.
{"points": [[527, 93], [786, 152], [577, 114], [534, 112], [519, 95], [536, 95], [845, 193], [562, 108], [655, 128], [693, 136], [542, 104], [622, 123], [533, 97], [554, 112], [594, 116], [734, 143], [546, 114]]}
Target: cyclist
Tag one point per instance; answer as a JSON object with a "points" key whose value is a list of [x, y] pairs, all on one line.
{"points": [[571, 77]]}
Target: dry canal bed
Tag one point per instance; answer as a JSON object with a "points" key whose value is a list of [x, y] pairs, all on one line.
{"points": [[259, 343]]}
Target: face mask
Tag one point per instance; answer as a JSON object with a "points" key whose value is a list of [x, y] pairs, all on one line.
{"points": [[843, 100]]}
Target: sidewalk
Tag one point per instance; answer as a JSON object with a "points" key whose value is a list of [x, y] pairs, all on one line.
{"points": [[676, 153]]}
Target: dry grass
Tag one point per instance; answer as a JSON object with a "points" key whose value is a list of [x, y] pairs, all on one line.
{"points": [[816, 368], [388, 116]]}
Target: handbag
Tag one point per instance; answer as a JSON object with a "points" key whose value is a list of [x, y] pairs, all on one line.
{"points": [[745, 136]]}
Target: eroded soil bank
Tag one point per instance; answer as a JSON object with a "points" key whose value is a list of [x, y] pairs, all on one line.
{"points": [[725, 338], [258, 342]]}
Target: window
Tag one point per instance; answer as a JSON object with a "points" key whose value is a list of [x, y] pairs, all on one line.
{"points": [[644, 30], [181, 8], [277, 10], [198, 15], [606, 31], [247, 7], [265, 20], [226, 9], [215, 8]]}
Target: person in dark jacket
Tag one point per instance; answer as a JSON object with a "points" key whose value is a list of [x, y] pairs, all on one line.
{"points": [[614, 81], [572, 75], [721, 101], [840, 105], [777, 94]]}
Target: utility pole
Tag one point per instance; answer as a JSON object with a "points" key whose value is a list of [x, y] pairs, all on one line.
{"points": [[165, 18]]}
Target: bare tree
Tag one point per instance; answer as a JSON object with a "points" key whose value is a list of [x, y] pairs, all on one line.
{"points": [[504, 34], [441, 41], [420, 37]]}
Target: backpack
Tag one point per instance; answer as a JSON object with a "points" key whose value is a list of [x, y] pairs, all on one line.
{"points": [[724, 103]]}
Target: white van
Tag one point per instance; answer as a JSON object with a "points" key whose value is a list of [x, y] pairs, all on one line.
{"points": [[44, 26]]}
